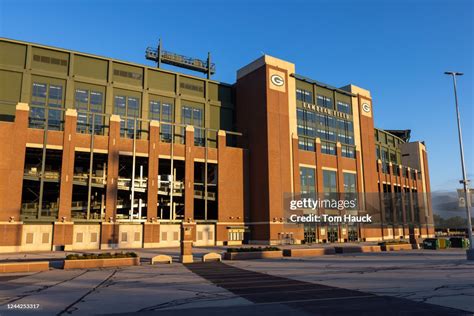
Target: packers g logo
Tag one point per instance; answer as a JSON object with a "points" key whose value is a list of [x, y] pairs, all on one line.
{"points": [[277, 80], [366, 107]]}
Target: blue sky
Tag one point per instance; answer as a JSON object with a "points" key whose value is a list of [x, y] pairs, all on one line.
{"points": [[396, 49]]}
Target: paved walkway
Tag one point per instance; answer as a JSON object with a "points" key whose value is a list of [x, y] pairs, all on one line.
{"points": [[312, 298], [440, 281]]}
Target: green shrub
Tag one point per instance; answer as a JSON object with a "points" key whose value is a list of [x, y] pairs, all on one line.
{"points": [[105, 255], [253, 249]]}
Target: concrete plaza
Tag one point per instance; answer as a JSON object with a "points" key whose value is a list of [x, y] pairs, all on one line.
{"points": [[442, 279]]}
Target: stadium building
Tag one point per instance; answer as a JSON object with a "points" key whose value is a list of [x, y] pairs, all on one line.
{"points": [[97, 153]]}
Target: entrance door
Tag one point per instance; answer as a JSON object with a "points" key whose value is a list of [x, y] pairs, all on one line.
{"points": [[309, 233], [352, 234], [411, 233], [332, 234]]}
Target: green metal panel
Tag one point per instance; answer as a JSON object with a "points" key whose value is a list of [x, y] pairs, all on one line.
{"points": [[10, 93], [161, 80], [49, 80], [304, 85], [343, 98], [128, 93], [325, 92], [127, 74], [12, 54], [215, 119], [220, 93], [90, 67], [193, 87], [50, 60], [94, 72]]}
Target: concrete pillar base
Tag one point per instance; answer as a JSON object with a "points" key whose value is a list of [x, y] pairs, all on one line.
{"points": [[470, 254], [187, 259]]}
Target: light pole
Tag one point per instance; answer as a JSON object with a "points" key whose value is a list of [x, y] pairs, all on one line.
{"points": [[464, 181]]}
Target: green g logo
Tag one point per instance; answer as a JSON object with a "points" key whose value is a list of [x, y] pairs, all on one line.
{"points": [[277, 80]]}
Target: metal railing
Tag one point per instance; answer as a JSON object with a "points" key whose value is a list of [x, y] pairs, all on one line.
{"points": [[96, 123], [88, 122]]}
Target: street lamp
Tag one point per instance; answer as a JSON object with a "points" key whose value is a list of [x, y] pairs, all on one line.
{"points": [[470, 251]]}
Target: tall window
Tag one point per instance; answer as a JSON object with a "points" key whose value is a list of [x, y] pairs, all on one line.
{"points": [[416, 206], [324, 101], [393, 157], [328, 148], [344, 107], [311, 124], [345, 131], [329, 181], [128, 108], [194, 116], [387, 203], [304, 95], [326, 127], [408, 213], [46, 95], [163, 112], [350, 184], [93, 102], [307, 179], [306, 121]]}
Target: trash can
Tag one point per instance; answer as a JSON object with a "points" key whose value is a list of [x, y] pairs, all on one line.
{"points": [[444, 243], [459, 242], [431, 243]]}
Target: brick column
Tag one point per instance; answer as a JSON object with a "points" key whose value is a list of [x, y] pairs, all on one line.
{"points": [[359, 171], [12, 163], [421, 202], [340, 175], [320, 233], [381, 196], [402, 197], [112, 167], [391, 179], [151, 229], [67, 166], [63, 228], [189, 174], [319, 167], [152, 194], [222, 211], [340, 189], [412, 215], [62, 235], [221, 147], [361, 198]]}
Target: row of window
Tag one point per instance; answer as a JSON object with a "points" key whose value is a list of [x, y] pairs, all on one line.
{"points": [[46, 95], [388, 155], [311, 124], [398, 202], [324, 101], [308, 182], [328, 148], [51, 95]]}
